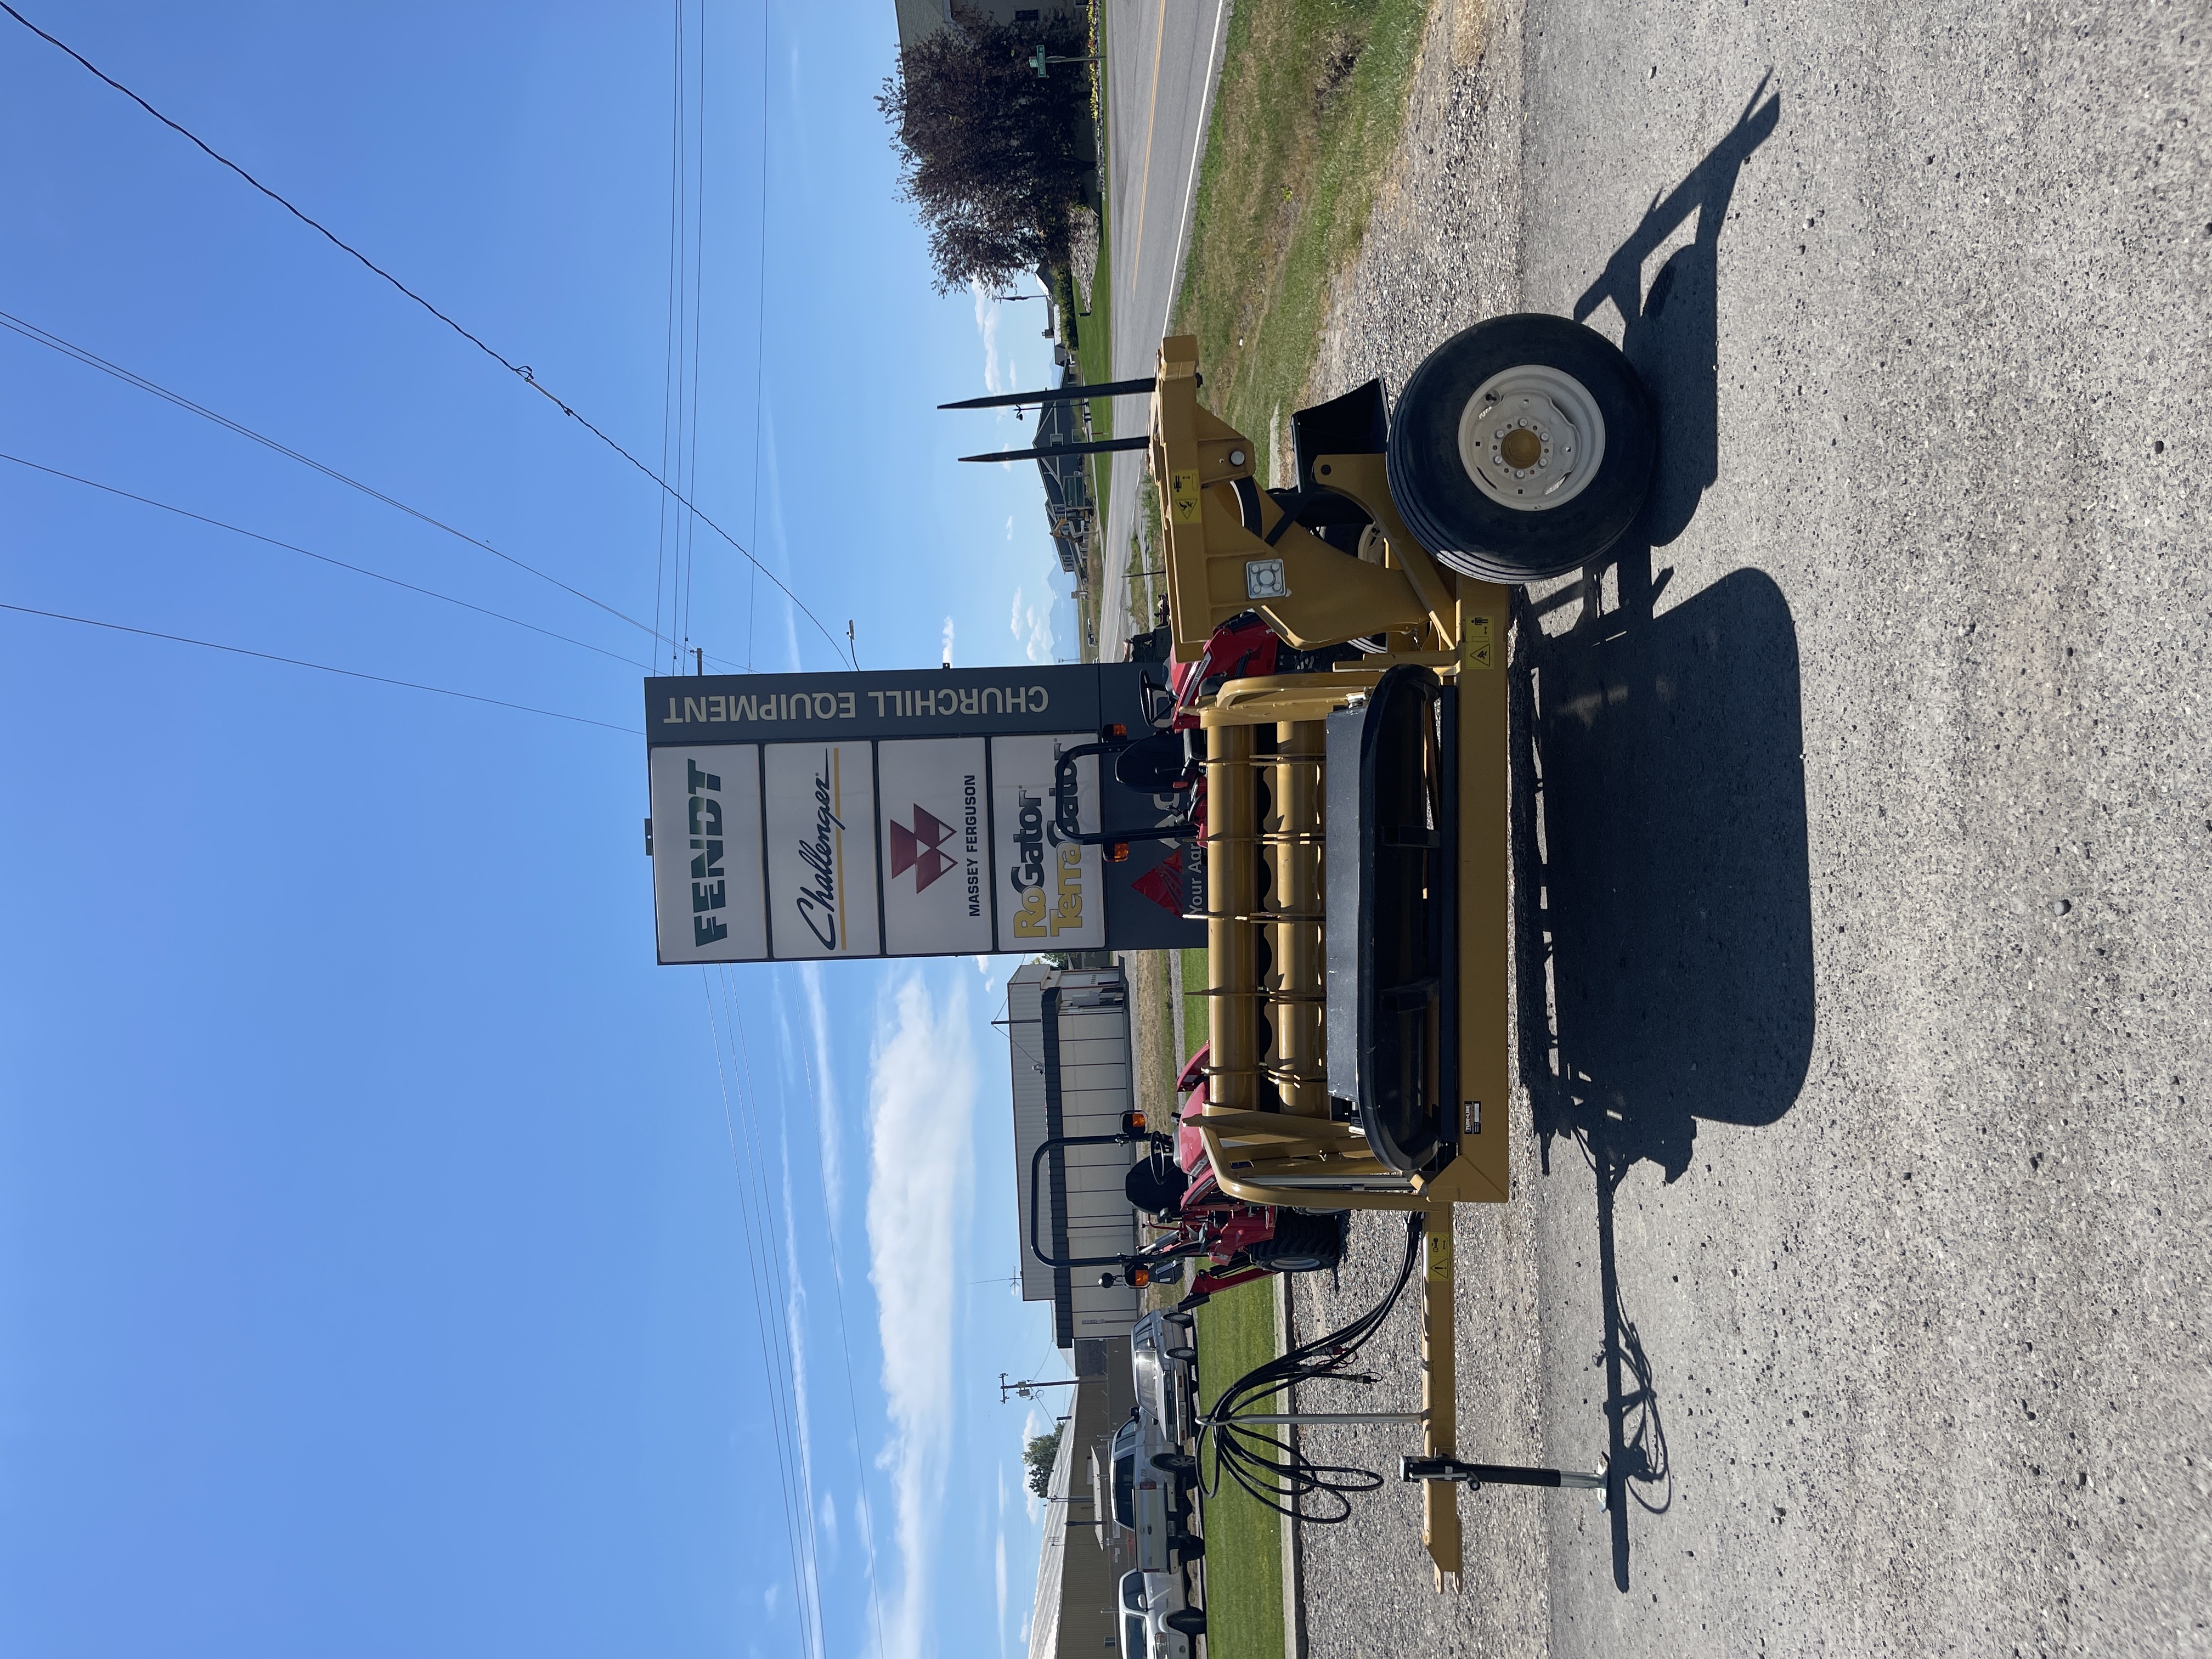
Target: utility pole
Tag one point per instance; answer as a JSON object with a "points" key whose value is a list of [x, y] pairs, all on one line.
{"points": [[1021, 1390]]}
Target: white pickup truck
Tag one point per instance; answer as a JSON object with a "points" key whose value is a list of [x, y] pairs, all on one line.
{"points": [[1155, 1491], [1154, 1494], [1164, 1364], [1158, 1621]]}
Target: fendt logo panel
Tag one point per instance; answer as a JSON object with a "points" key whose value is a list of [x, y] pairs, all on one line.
{"points": [[706, 898]]}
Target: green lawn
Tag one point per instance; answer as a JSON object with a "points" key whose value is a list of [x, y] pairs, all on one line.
{"points": [[1094, 331], [1311, 101], [1094, 361], [1243, 1540], [1194, 1025]]}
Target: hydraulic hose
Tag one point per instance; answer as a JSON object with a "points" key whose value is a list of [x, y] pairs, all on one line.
{"points": [[1262, 1459]]}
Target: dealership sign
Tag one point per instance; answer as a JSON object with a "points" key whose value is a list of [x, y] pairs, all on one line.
{"points": [[799, 818]]}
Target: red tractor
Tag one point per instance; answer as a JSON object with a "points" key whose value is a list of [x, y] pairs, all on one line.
{"points": [[1174, 1186]]}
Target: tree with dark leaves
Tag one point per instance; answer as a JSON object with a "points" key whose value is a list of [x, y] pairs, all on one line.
{"points": [[993, 155], [1041, 1454]]}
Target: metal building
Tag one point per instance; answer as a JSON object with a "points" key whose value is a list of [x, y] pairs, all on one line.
{"points": [[1068, 1035], [1075, 1614]]}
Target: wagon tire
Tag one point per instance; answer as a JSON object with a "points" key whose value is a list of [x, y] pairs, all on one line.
{"points": [[1521, 448]]}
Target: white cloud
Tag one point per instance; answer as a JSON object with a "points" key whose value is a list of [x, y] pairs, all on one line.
{"points": [[795, 1325], [921, 1102], [998, 1566], [829, 1520], [824, 1080], [1010, 527], [772, 1596], [988, 313], [947, 654], [1032, 626], [765, 603]]}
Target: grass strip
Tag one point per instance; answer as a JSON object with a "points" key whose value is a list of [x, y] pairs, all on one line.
{"points": [[1243, 1539], [1094, 362], [1311, 102], [1194, 1025]]}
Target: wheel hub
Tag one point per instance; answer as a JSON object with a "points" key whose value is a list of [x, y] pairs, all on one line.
{"points": [[1531, 438]]}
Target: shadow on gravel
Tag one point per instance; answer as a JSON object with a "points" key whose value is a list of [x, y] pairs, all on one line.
{"points": [[1671, 332], [1659, 822], [1660, 843]]}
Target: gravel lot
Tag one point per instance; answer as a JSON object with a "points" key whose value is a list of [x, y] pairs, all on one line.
{"points": [[1861, 1165]]}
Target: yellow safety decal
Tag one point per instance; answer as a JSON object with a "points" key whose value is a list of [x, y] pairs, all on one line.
{"points": [[1183, 487], [1479, 645], [1440, 1255]]}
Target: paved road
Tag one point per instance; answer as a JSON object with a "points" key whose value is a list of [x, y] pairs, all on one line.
{"points": [[1860, 1210], [1162, 59]]}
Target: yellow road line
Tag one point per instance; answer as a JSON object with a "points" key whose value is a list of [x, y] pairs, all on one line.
{"points": [[1151, 118]]}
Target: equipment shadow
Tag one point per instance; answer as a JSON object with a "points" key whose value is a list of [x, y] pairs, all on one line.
{"points": [[1659, 829]]}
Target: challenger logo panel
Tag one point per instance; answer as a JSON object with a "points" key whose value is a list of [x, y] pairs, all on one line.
{"points": [[821, 835], [937, 846]]}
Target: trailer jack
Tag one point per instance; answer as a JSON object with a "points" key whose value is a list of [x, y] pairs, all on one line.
{"points": [[1474, 1476]]}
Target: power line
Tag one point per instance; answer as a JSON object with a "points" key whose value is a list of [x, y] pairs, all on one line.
{"points": [[687, 460], [320, 667], [523, 370], [668, 330], [760, 337], [775, 1365], [53, 342], [359, 570], [748, 1097], [852, 1393]]}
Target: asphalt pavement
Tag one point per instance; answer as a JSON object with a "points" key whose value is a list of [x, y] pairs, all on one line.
{"points": [[1163, 58], [1862, 832]]}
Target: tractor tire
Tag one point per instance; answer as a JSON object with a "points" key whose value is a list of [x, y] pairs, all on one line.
{"points": [[1187, 1621], [1521, 448], [1302, 1243]]}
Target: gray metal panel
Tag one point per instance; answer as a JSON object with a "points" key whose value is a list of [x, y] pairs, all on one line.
{"points": [[892, 702], [1342, 897], [1087, 1066]]}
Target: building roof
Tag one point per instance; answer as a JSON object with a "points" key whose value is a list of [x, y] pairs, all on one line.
{"points": [[920, 19], [1067, 483]]}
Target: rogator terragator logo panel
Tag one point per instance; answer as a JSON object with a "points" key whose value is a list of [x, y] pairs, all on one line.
{"points": [[1049, 897], [800, 817]]}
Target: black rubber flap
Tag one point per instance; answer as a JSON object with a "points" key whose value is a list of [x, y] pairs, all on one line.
{"points": [[1388, 853]]}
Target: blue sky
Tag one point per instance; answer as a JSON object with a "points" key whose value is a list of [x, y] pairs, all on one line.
{"points": [[393, 1260]]}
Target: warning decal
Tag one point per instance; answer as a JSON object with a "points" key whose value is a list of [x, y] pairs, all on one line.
{"points": [[1183, 487], [1479, 647]]}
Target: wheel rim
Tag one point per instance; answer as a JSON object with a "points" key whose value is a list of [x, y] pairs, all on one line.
{"points": [[1531, 438]]}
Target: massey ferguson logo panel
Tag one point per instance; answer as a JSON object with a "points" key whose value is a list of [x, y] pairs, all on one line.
{"points": [[936, 811]]}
